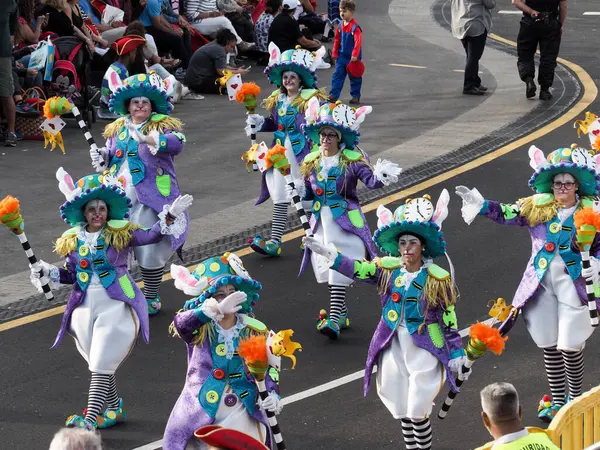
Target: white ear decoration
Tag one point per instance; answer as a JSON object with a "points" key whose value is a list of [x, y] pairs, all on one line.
{"points": [[65, 184], [384, 216], [319, 55], [537, 158], [312, 111], [186, 282], [114, 81], [273, 361], [274, 53], [597, 160], [360, 116], [441, 208]]}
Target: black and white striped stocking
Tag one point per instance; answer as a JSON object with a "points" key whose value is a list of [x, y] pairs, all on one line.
{"points": [[99, 388], [337, 301], [423, 434], [574, 365], [112, 399], [152, 279], [555, 371], [280, 215], [409, 436]]}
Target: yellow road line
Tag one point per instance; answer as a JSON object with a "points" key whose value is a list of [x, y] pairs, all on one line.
{"points": [[589, 95], [410, 66]]}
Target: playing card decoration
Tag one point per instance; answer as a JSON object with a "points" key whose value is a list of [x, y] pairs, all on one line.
{"points": [[52, 126], [233, 84], [257, 155]]}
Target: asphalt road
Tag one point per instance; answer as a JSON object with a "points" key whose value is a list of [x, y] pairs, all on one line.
{"points": [[42, 387]]}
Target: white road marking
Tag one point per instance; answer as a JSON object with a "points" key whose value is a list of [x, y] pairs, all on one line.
{"points": [[410, 66], [312, 391], [592, 13], [510, 11]]}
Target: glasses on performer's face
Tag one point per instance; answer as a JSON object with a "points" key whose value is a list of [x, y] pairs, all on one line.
{"points": [[568, 185], [328, 136]]}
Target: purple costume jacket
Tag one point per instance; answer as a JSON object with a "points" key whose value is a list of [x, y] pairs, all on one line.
{"points": [[160, 166], [188, 415], [119, 260], [346, 212], [382, 338], [530, 284]]}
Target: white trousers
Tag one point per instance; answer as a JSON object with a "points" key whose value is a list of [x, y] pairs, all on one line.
{"points": [[151, 256], [555, 316], [105, 330], [408, 378], [276, 182], [211, 25], [348, 244]]}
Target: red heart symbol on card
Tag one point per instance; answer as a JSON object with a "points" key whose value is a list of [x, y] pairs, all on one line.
{"points": [[596, 132], [234, 86], [51, 125], [231, 97], [261, 156]]}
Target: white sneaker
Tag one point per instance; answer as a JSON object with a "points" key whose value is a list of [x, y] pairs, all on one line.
{"points": [[323, 65], [194, 96]]}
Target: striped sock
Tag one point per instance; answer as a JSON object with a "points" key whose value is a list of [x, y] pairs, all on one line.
{"points": [[423, 434], [555, 370], [152, 279], [574, 364], [112, 399], [280, 211], [408, 433], [337, 301], [99, 387]]}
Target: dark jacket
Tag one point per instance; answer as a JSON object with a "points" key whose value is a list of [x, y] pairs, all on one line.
{"points": [[8, 26]]}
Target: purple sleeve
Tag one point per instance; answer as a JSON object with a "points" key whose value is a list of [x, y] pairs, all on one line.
{"points": [[504, 214], [270, 123], [111, 146], [271, 384], [308, 191], [366, 271], [595, 250], [187, 323], [365, 174], [68, 274], [170, 143], [145, 237]]}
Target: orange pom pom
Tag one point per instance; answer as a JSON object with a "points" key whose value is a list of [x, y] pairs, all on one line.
{"points": [[9, 205], [253, 350], [489, 336], [587, 216], [250, 88]]}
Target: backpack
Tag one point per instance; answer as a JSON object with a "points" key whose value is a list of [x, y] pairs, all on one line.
{"points": [[65, 80]]}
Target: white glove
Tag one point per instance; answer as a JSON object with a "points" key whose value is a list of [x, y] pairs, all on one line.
{"points": [[592, 271], [386, 171], [456, 366], [300, 189], [45, 270], [232, 303], [272, 403], [329, 252], [472, 200], [180, 204], [150, 139], [254, 119], [98, 158]]}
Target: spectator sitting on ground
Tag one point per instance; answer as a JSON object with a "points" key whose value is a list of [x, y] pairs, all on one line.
{"points": [[75, 439], [111, 31], [8, 28], [209, 61], [502, 415], [125, 49], [285, 31], [208, 20], [261, 30]]}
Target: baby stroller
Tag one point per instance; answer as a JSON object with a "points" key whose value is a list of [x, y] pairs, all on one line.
{"points": [[70, 75]]}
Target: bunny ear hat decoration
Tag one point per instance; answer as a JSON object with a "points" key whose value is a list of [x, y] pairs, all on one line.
{"points": [[417, 217], [577, 161], [297, 60]]}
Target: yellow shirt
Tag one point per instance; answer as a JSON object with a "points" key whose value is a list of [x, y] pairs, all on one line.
{"points": [[523, 440]]}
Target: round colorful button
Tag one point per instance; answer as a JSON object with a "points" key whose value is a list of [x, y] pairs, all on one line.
{"points": [[392, 315], [113, 168], [221, 350], [219, 374], [319, 191], [550, 247], [123, 135], [83, 250], [395, 297], [398, 282], [280, 127], [554, 228], [344, 204], [83, 277], [84, 263], [320, 177], [159, 171], [119, 153], [215, 267], [230, 400], [317, 206], [212, 397], [543, 263]]}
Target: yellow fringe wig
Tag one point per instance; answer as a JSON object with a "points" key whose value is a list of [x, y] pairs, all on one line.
{"points": [[119, 239], [306, 168], [299, 102], [535, 214], [162, 125]]}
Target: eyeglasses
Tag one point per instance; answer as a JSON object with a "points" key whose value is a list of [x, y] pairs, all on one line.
{"points": [[329, 136], [568, 185]]}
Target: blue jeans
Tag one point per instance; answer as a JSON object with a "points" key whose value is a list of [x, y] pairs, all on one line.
{"points": [[339, 76]]}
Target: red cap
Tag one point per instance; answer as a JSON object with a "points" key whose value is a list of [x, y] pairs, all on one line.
{"points": [[355, 68], [127, 43], [227, 438]]}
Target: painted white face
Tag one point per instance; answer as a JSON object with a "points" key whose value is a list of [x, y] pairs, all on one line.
{"points": [[140, 109], [291, 81], [223, 292], [95, 212], [410, 248], [564, 187]]}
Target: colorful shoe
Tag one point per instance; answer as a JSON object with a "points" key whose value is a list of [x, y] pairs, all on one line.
{"points": [[154, 306], [270, 248], [547, 409], [76, 421], [327, 326], [111, 417], [344, 321]]}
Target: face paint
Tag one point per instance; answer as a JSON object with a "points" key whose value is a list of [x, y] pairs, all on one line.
{"points": [[410, 248], [96, 213], [223, 292], [564, 187]]}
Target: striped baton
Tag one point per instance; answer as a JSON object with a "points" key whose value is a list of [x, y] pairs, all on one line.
{"points": [[271, 417], [587, 222], [85, 130]]}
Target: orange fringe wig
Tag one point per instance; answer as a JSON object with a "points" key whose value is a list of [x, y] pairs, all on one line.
{"points": [[10, 205], [489, 336], [249, 88], [253, 350], [587, 216]]}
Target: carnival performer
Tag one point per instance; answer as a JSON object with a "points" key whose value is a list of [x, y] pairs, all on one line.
{"points": [[106, 309], [417, 343], [331, 173], [218, 388], [293, 72], [140, 150], [552, 293]]}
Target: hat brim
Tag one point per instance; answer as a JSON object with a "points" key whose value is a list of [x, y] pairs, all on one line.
{"points": [[159, 99], [386, 238], [356, 68], [275, 74], [227, 438], [118, 204], [588, 180], [250, 287], [350, 137]]}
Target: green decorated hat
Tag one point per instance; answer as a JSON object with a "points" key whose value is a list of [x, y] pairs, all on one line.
{"points": [[297, 60], [141, 85], [220, 271]]}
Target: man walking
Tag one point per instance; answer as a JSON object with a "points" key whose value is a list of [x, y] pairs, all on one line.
{"points": [[471, 23], [8, 28], [542, 24]]}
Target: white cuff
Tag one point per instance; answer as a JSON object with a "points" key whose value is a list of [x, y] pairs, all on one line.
{"points": [[207, 309], [155, 135], [177, 228]]}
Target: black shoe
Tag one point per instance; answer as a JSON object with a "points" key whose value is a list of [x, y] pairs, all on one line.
{"points": [[530, 89], [473, 91], [355, 101], [545, 94], [481, 87], [10, 140]]}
